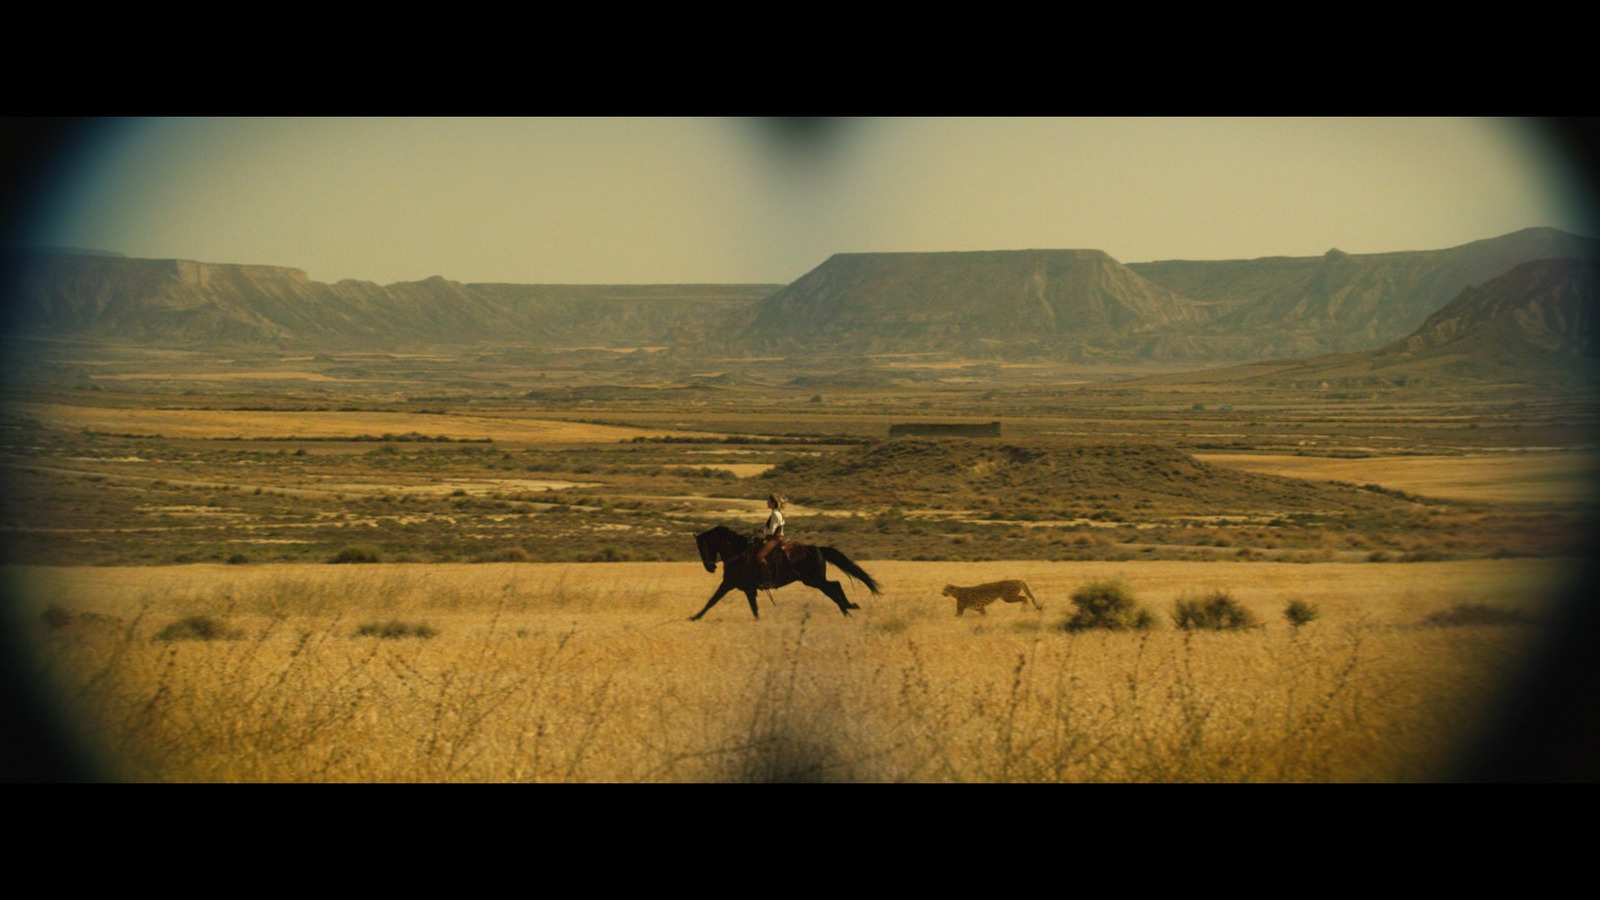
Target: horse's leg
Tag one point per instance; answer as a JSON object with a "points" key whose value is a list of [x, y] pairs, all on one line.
{"points": [[721, 590], [835, 592], [814, 574], [750, 594]]}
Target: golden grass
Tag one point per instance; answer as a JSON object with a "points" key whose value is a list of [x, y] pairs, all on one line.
{"points": [[247, 424], [1553, 477], [591, 673]]}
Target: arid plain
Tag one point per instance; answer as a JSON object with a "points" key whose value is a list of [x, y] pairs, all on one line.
{"points": [[517, 565]]}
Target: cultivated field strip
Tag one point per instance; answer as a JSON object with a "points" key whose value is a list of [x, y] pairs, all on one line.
{"points": [[1519, 477], [287, 424]]}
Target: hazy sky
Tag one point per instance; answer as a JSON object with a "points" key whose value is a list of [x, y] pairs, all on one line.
{"points": [[691, 200]]}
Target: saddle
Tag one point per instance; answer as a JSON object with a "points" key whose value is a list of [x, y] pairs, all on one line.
{"points": [[784, 556]]}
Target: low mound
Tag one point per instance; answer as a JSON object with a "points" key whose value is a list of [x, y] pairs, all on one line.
{"points": [[1043, 479]]}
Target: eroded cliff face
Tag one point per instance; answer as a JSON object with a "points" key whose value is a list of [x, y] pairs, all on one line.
{"points": [[1534, 326], [1083, 304], [927, 301], [1345, 302], [1077, 305], [1542, 307], [176, 301], [184, 302]]}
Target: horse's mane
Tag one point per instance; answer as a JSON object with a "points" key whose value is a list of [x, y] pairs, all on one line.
{"points": [[724, 533]]}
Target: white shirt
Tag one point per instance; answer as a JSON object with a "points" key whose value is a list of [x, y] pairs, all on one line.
{"points": [[774, 523]]}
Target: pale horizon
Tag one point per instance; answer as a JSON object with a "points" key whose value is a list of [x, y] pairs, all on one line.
{"points": [[657, 201]]}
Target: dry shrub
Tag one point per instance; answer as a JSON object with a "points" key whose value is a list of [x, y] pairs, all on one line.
{"points": [[55, 617], [1299, 613], [396, 629], [1108, 605], [358, 553], [1216, 611], [194, 628], [893, 625], [1465, 614], [508, 554]]}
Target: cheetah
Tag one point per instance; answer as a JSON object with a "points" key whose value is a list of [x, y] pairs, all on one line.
{"points": [[981, 595]]}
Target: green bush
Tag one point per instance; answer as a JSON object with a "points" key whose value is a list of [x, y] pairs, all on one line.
{"points": [[1214, 612], [1109, 605], [357, 553], [1299, 612]]}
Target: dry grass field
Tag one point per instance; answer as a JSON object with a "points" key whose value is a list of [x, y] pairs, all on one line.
{"points": [[169, 521], [530, 672], [1521, 477]]}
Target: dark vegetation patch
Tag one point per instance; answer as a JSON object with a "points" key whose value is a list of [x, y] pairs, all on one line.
{"points": [[195, 628], [55, 618], [790, 439], [358, 553], [1216, 611], [60, 619], [1468, 614], [394, 629], [408, 438], [1108, 605], [1053, 478], [1301, 612]]}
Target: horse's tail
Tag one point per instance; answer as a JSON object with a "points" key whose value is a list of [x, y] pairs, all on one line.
{"points": [[849, 568]]}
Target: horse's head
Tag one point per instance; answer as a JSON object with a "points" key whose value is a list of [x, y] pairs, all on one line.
{"points": [[708, 554], [720, 542]]}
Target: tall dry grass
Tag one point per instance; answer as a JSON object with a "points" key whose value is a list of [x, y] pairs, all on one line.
{"points": [[590, 673]]}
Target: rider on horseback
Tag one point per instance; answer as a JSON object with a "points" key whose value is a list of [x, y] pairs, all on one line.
{"points": [[774, 535]]}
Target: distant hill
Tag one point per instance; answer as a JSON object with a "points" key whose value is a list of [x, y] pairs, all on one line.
{"points": [[1542, 308], [1084, 305], [178, 302], [1293, 307], [1533, 324], [1045, 301], [1067, 305], [79, 251]]}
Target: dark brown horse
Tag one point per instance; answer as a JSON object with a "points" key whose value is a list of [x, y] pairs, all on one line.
{"points": [[799, 562]]}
